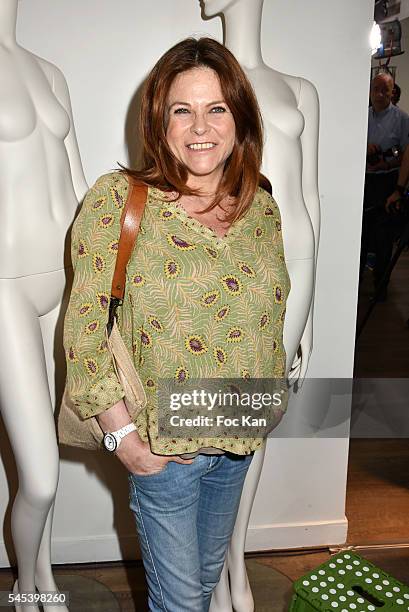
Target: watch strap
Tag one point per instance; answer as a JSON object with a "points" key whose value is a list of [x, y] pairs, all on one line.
{"points": [[124, 431]]}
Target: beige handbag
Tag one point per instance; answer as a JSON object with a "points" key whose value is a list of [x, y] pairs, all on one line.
{"points": [[73, 430]]}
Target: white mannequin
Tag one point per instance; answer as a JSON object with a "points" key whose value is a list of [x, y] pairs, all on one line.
{"points": [[289, 106], [41, 183]]}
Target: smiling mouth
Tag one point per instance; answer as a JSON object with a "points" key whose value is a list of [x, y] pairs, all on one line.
{"points": [[200, 146]]}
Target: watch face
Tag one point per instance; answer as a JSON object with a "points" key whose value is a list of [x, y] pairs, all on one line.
{"points": [[110, 442]]}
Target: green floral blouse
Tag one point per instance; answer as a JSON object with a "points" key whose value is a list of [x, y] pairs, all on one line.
{"points": [[195, 305]]}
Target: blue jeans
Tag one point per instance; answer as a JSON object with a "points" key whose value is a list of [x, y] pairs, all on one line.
{"points": [[185, 516]]}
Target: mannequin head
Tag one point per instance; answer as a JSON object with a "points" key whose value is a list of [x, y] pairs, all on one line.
{"points": [[215, 7]]}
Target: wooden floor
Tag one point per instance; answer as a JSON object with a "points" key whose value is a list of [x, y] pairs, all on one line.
{"points": [[378, 477]]}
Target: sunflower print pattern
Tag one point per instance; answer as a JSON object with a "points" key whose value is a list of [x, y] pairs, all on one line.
{"points": [[195, 306]]}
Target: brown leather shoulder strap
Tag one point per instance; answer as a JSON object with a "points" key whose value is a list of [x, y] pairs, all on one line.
{"points": [[130, 222]]}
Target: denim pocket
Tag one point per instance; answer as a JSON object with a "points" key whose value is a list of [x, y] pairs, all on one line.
{"points": [[153, 474]]}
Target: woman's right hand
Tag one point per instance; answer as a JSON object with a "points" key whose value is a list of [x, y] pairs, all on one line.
{"points": [[138, 458], [134, 453]]}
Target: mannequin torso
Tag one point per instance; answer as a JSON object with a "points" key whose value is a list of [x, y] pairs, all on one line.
{"points": [[279, 96], [289, 106], [38, 198]]}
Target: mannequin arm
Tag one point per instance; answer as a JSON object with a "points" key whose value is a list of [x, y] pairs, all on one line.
{"points": [[60, 89], [300, 364], [308, 104]]}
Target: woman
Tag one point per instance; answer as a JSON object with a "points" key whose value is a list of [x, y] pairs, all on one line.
{"points": [[205, 298]]}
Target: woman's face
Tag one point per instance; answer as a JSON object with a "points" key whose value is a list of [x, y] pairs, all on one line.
{"points": [[200, 127]]}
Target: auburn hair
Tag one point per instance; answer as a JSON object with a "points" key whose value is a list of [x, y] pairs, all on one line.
{"points": [[160, 167]]}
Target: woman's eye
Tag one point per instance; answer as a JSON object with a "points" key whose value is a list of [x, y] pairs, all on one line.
{"points": [[218, 109], [180, 111]]}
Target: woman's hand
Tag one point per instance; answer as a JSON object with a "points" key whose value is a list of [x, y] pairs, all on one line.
{"points": [[133, 453], [138, 458]]}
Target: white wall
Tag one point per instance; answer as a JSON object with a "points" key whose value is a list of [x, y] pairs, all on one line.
{"points": [[105, 49]]}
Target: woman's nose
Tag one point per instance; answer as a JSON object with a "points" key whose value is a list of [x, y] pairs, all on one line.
{"points": [[199, 125]]}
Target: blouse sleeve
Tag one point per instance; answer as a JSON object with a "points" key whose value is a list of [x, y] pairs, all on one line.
{"points": [[276, 219], [92, 383], [285, 285]]}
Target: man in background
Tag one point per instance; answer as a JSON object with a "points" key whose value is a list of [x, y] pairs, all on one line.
{"points": [[388, 137]]}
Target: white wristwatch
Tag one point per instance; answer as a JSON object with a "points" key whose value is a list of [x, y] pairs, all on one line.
{"points": [[112, 439]]}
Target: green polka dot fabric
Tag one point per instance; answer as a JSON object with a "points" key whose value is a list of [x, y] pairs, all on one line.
{"points": [[195, 306], [349, 583]]}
